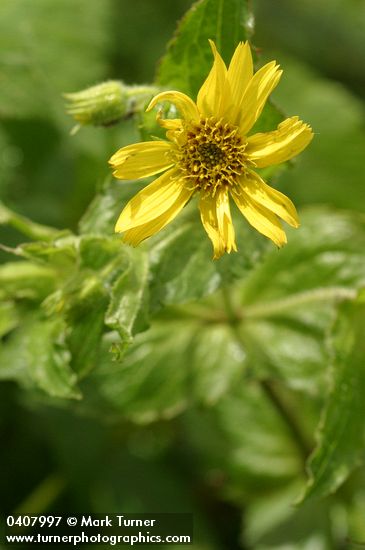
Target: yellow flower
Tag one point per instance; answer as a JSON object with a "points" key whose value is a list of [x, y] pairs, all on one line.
{"points": [[208, 152]]}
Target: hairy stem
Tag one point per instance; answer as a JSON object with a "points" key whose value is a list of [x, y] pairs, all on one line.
{"points": [[27, 227]]}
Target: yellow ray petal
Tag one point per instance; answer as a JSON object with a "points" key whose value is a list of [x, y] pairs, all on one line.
{"points": [[138, 234], [175, 128], [208, 214], [225, 225], [270, 198], [183, 103], [260, 218], [152, 201], [240, 72], [214, 95], [258, 90], [169, 123], [290, 138], [141, 160]]}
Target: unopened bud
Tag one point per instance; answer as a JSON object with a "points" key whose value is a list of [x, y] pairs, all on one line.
{"points": [[107, 103]]}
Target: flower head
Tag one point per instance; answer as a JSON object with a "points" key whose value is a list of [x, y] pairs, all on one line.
{"points": [[209, 152]]}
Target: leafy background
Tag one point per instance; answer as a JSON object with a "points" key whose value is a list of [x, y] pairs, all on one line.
{"points": [[155, 379]]}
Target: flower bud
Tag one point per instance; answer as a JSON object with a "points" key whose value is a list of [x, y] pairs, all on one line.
{"points": [[107, 103]]}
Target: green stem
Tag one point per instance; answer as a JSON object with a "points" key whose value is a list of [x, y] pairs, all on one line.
{"points": [[41, 498], [33, 230], [143, 91], [140, 96]]}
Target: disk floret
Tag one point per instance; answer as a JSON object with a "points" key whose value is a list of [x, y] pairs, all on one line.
{"points": [[212, 155]]}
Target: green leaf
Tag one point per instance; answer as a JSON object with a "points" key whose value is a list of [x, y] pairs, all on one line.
{"points": [[273, 523], [84, 293], [127, 311], [96, 253], [325, 252], [188, 59], [291, 347], [341, 436], [182, 268], [35, 355], [173, 364], [85, 321], [290, 299], [218, 362], [150, 381], [244, 442]]}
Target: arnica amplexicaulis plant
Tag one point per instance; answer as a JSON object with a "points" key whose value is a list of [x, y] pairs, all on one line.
{"points": [[209, 152]]}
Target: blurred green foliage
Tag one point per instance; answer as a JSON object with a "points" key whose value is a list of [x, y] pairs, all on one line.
{"points": [[154, 379]]}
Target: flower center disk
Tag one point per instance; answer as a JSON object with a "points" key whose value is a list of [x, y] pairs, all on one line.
{"points": [[212, 155]]}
